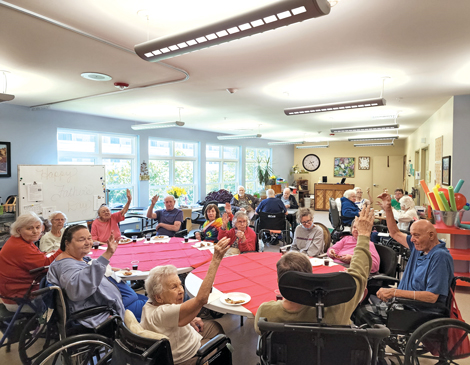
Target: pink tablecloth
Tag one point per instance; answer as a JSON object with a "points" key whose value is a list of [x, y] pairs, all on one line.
{"points": [[254, 274], [176, 253]]}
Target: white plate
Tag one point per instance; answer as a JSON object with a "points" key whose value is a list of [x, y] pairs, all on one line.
{"points": [[235, 296], [159, 238], [206, 244], [124, 242], [120, 273], [316, 262]]}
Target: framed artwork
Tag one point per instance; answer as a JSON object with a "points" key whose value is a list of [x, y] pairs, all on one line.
{"points": [[363, 163], [344, 167], [446, 170], [5, 159]]}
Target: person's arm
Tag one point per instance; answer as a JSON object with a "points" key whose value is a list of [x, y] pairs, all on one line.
{"points": [[191, 308], [175, 227], [335, 250], [316, 245], [150, 213], [386, 204], [349, 210], [234, 205], [294, 246], [248, 242], [32, 258], [385, 294], [129, 199], [293, 202]]}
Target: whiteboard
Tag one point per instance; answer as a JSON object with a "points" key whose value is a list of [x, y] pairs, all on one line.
{"points": [[76, 190]]}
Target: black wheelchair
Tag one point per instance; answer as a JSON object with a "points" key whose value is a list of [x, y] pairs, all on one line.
{"points": [[270, 225], [339, 229], [318, 343]]}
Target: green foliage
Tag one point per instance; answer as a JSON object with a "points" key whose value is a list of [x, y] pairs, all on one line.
{"points": [[264, 170]]}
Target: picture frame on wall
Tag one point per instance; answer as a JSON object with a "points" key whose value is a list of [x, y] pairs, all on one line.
{"points": [[446, 170], [5, 159], [344, 167], [363, 163]]}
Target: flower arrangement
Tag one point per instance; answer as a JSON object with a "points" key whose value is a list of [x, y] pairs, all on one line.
{"points": [[176, 191]]}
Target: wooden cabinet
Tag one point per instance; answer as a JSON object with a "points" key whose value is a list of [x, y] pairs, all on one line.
{"points": [[277, 188], [323, 193], [460, 249]]}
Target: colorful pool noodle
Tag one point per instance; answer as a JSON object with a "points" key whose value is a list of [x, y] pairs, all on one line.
{"points": [[433, 201], [466, 226], [444, 201], [458, 186], [438, 198], [453, 206], [425, 187]]}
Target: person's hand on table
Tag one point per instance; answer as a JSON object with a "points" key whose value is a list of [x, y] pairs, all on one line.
{"points": [[332, 253], [345, 258], [225, 220], [221, 248], [197, 324], [385, 294], [198, 236], [155, 199]]}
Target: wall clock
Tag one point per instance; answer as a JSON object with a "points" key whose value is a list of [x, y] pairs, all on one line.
{"points": [[364, 163], [311, 162]]}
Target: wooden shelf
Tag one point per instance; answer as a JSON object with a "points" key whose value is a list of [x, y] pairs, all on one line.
{"points": [[442, 228], [460, 282], [460, 254]]}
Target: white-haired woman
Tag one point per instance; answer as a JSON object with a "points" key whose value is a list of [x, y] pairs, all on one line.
{"points": [[51, 240], [406, 214], [308, 238], [349, 209], [242, 237], [360, 201], [166, 313], [18, 256]]}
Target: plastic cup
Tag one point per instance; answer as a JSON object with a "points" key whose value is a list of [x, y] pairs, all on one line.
{"points": [[186, 239], [95, 245], [326, 262], [148, 236], [278, 294], [134, 238], [135, 265]]}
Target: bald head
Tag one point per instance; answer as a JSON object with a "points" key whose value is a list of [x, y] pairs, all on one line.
{"points": [[423, 235]]}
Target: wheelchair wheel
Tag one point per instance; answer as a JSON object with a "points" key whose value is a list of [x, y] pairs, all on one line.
{"points": [[86, 349], [439, 340]]}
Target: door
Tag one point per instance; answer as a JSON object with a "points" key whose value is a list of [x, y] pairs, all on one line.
{"points": [[387, 173]]}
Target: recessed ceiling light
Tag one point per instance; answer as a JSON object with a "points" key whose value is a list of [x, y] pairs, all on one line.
{"points": [[95, 76]]}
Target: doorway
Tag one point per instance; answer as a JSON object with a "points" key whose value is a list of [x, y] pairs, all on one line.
{"points": [[387, 173]]}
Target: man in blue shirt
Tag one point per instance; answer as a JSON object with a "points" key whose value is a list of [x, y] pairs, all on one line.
{"points": [[428, 274], [169, 219], [271, 204]]}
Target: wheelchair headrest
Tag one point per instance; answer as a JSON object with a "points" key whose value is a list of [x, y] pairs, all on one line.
{"points": [[309, 289]]}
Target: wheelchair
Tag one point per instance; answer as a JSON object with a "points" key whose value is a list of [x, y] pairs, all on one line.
{"points": [[318, 343], [339, 229], [131, 345], [273, 224]]}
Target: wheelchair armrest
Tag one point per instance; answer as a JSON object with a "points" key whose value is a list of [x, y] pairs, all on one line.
{"points": [[266, 326], [419, 304], [380, 279], [215, 342], [88, 312], [284, 247], [38, 269], [181, 233]]}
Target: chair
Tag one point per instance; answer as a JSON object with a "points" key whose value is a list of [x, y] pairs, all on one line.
{"points": [[318, 343], [339, 229], [273, 223], [388, 270]]}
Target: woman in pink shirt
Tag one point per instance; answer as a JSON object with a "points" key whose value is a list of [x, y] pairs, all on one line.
{"points": [[342, 251], [107, 222]]}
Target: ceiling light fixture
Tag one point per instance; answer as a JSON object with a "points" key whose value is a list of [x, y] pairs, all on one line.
{"points": [[3, 95], [347, 105], [373, 144], [139, 127], [239, 136], [314, 146], [96, 76], [372, 139], [365, 129], [285, 143], [272, 16]]}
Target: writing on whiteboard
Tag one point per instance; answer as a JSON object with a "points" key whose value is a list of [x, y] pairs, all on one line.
{"points": [[57, 176], [61, 191]]}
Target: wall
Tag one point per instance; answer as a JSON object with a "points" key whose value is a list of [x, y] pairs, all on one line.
{"points": [[33, 137], [363, 178]]}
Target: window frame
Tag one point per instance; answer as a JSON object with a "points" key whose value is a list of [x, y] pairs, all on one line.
{"points": [[221, 160], [257, 186]]}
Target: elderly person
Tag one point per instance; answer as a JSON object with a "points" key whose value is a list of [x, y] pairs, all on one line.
{"points": [[51, 240], [407, 214], [342, 251], [428, 273], [397, 195], [287, 311], [210, 228], [242, 237], [169, 219], [18, 256], [106, 222], [288, 199], [244, 202], [360, 201], [271, 204], [167, 314], [308, 238], [349, 209]]}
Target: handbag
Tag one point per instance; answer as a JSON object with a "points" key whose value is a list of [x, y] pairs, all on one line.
{"points": [[457, 342]]}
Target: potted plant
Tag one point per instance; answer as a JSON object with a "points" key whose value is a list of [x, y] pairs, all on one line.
{"points": [[264, 170]]}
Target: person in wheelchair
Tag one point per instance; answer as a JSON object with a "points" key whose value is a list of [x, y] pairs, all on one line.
{"points": [[407, 213], [85, 283], [342, 251], [271, 205], [288, 199], [308, 238], [18, 256], [349, 209], [428, 274], [287, 311], [167, 314], [242, 238]]}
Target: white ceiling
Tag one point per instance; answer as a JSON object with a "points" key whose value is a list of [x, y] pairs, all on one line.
{"points": [[422, 45]]}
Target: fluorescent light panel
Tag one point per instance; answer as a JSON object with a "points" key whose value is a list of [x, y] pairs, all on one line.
{"points": [[346, 105], [373, 144], [372, 139], [365, 129], [284, 143], [139, 127], [272, 16], [314, 146], [239, 136]]}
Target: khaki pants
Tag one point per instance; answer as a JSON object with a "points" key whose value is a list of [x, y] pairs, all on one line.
{"points": [[211, 329]]}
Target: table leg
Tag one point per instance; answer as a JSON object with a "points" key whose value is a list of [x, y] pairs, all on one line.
{"points": [[241, 320]]}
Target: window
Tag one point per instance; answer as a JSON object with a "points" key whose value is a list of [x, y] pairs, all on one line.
{"points": [[222, 168], [251, 175], [116, 152], [173, 163]]}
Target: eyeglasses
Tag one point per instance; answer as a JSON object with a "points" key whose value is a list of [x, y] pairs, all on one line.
{"points": [[306, 222]]}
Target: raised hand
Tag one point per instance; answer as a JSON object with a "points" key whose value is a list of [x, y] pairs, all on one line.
{"points": [[221, 248], [365, 222], [129, 196], [155, 199], [228, 208], [225, 220], [385, 201], [112, 244]]}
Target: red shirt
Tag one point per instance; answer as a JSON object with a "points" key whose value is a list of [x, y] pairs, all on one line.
{"points": [[250, 239], [100, 231], [17, 257]]}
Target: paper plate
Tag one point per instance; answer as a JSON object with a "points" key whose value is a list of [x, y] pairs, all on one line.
{"points": [[124, 241], [316, 262], [203, 244], [160, 237], [121, 273], [245, 298]]}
